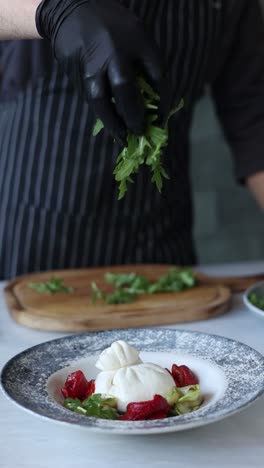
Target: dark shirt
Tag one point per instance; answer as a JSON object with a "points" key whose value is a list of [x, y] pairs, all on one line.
{"points": [[235, 74], [58, 193], [23, 62]]}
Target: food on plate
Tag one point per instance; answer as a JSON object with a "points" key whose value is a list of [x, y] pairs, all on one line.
{"points": [[127, 286], [119, 354], [128, 389], [257, 299]]}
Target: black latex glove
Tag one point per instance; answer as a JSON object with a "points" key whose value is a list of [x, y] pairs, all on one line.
{"points": [[103, 45]]}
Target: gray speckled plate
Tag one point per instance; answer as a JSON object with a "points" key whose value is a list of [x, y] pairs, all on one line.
{"points": [[231, 375]]}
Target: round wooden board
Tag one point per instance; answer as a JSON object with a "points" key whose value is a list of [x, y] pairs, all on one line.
{"points": [[74, 312]]}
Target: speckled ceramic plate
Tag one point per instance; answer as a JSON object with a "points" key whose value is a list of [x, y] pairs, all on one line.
{"points": [[231, 375]]}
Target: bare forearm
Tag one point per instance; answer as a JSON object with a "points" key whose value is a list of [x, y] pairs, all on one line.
{"points": [[17, 19], [256, 184]]}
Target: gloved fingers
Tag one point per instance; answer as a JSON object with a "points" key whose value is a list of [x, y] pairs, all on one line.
{"points": [[99, 96], [154, 68], [152, 62], [128, 99]]}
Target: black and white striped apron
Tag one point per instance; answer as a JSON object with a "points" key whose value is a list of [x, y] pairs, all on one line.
{"points": [[58, 197]]}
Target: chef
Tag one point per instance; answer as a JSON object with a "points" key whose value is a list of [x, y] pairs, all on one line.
{"points": [[58, 198]]}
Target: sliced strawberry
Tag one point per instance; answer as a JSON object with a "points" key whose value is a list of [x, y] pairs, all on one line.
{"points": [[183, 376], [91, 388], [189, 378], [77, 386], [150, 409], [177, 375]]}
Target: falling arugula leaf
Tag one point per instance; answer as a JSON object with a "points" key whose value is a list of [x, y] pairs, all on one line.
{"points": [[98, 127], [147, 149], [54, 285]]}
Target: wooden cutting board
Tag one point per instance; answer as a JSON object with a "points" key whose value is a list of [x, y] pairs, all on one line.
{"points": [[74, 312]]}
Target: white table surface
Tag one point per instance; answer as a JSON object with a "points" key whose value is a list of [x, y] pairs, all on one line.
{"points": [[238, 441]]}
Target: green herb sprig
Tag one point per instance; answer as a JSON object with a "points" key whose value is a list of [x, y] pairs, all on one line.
{"points": [[128, 286], [147, 149], [54, 285], [95, 405]]}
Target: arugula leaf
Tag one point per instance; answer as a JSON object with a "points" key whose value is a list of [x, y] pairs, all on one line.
{"points": [[129, 285], [119, 296], [95, 405], [98, 127], [54, 285], [176, 109], [120, 279], [173, 281], [157, 178], [97, 293], [147, 89], [147, 149]]}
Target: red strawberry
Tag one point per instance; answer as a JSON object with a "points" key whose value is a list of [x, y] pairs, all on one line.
{"points": [[152, 409], [77, 386], [183, 376]]}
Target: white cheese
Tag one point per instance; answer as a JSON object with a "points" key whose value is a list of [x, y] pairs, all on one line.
{"points": [[119, 354], [139, 382]]}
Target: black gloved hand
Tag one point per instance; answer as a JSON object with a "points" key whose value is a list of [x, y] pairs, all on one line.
{"points": [[104, 46]]}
